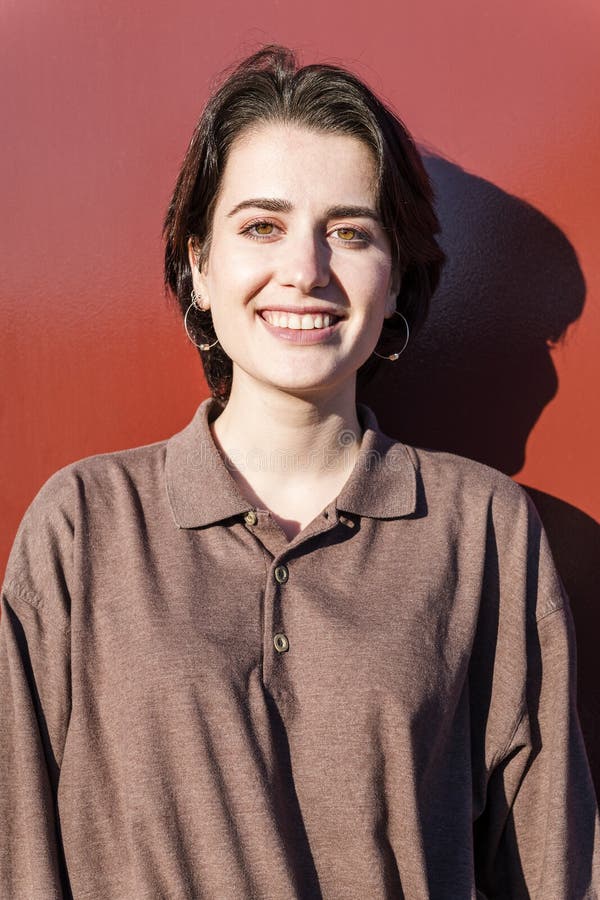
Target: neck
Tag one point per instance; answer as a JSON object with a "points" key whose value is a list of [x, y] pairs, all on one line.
{"points": [[280, 441]]}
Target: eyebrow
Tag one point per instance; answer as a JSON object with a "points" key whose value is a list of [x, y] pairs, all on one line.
{"points": [[334, 212]]}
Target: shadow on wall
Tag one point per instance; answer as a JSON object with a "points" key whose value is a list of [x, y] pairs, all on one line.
{"points": [[478, 376]]}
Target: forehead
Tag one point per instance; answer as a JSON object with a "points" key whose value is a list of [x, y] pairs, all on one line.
{"points": [[297, 164]]}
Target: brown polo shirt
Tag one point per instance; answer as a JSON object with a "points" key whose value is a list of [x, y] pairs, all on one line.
{"points": [[193, 706]]}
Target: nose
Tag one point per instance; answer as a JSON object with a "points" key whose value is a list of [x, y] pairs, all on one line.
{"points": [[304, 261]]}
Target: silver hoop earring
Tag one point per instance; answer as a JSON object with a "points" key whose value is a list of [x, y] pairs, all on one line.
{"points": [[195, 298], [394, 356]]}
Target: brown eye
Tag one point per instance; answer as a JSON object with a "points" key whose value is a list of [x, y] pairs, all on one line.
{"points": [[346, 234], [264, 228], [259, 230]]}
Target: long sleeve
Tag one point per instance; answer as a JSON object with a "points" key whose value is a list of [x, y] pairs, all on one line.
{"points": [[539, 836], [35, 699], [34, 711]]}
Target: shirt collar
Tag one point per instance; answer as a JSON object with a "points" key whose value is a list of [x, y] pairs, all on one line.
{"points": [[201, 489]]}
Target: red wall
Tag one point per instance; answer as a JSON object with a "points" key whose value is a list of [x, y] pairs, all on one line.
{"points": [[99, 101]]}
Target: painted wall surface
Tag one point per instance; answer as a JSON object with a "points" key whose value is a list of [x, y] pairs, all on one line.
{"points": [[99, 101]]}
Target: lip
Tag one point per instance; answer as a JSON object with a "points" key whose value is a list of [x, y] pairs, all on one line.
{"points": [[301, 335], [301, 310]]}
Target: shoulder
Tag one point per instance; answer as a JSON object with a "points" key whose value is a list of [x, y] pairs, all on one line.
{"points": [[457, 479], [493, 517], [71, 488], [70, 503]]}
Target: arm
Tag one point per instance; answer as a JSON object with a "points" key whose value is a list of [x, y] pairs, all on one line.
{"points": [[34, 711], [539, 834], [35, 699]]}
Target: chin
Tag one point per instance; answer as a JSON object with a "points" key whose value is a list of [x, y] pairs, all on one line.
{"points": [[309, 384]]}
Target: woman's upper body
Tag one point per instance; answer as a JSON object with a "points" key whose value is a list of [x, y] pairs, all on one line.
{"points": [[281, 654], [195, 705]]}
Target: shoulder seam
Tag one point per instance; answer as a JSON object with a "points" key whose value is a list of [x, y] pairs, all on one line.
{"points": [[26, 596], [498, 757]]}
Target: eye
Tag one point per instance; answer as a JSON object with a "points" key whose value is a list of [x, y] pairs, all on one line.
{"points": [[259, 230], [351, 235], [263, 229]]}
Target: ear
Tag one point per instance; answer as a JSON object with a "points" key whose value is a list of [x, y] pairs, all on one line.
{"points": [[198, 277]]}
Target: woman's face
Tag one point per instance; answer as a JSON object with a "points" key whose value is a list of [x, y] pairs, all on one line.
{"points": [[295, 229]]}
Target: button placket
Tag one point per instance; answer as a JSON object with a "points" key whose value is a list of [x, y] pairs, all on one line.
{"points": [[280, 641]]}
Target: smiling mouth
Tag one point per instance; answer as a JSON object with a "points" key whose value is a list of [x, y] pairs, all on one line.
{"points": [[300, 336], [298, 322]]}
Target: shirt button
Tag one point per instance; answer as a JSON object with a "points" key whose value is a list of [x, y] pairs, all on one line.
{"points": [[251, 518], [281, 643], [281, 574]]}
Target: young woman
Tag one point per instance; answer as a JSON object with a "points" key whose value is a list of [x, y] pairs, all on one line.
{"points": [[281, 655]]}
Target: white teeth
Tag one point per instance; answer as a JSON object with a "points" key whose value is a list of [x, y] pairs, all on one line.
{"points": [[296, 322]]}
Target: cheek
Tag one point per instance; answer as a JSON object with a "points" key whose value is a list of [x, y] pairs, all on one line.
{"points": [[368, 285], [235, 277], [375, 293], [371, 267], [384, 274]]}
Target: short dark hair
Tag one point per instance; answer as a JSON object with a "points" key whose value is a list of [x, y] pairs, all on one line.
{"points": [[270, 86]]}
